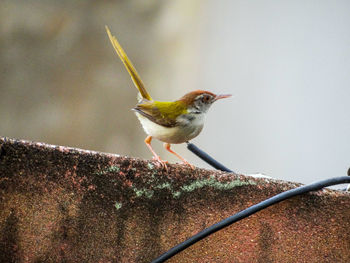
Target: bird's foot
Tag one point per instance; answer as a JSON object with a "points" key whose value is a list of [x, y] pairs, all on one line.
{"points": [[190, 165], [167, 147], [160, 163]]}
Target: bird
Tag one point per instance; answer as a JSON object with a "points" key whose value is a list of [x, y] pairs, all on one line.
{"points": [[172, 122]]}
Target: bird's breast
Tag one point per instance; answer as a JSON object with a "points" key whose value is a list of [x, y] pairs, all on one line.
{"points": [[189, 126]]}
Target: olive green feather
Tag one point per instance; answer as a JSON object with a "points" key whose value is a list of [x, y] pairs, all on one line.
{"points": [[129, 66], [162, 112]]}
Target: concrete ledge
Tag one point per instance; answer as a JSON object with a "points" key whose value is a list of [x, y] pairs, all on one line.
{"points": [[60, 204]]}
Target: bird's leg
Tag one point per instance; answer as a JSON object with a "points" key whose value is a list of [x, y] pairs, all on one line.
{"points": [[155, 156], [167, 146]]}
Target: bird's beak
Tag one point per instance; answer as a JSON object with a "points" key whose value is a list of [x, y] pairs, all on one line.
{"points": [[218, 97]]}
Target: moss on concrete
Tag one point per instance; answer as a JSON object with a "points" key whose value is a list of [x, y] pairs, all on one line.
{"points": [[60, 204]]}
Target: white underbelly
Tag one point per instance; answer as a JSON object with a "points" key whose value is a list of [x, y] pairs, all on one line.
{"points": [[178, 134]]}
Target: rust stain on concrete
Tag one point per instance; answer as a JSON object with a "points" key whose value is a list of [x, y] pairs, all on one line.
{"points": [[61, 204]]}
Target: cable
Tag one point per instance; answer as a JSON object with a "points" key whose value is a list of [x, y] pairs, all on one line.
{"points": [[249, 211], [207, 158]]}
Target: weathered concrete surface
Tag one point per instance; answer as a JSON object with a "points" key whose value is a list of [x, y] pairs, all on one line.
{"points": [[60, 204]]}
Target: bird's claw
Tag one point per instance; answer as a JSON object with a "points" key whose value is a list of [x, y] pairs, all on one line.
{"points": [[162, 163], [190, 165]]}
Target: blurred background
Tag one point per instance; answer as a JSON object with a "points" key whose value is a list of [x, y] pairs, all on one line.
{"points": [[287, 64]]}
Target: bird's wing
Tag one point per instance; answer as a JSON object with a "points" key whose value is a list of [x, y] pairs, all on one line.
{"points": [[162, 113]]}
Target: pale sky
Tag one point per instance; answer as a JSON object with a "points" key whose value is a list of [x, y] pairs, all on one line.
{"points": [[287, 64]]}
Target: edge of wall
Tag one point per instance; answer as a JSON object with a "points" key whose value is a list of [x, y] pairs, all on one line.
{"points": [[65, 204]]}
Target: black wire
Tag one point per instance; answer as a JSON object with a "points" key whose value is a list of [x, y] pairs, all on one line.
{"points": [[249, 211], [207, 158]]}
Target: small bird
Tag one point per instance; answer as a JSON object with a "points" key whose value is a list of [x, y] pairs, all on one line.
{"points": [[170, 122]]}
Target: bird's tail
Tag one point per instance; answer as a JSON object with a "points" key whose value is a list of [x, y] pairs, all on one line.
{"points": [[128, 65]]}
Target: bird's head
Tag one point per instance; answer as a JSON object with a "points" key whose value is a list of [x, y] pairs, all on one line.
{"points": [[199, 101]]}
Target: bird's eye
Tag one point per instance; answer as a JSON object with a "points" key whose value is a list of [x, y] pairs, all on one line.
{"points": [[205, 98]]}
